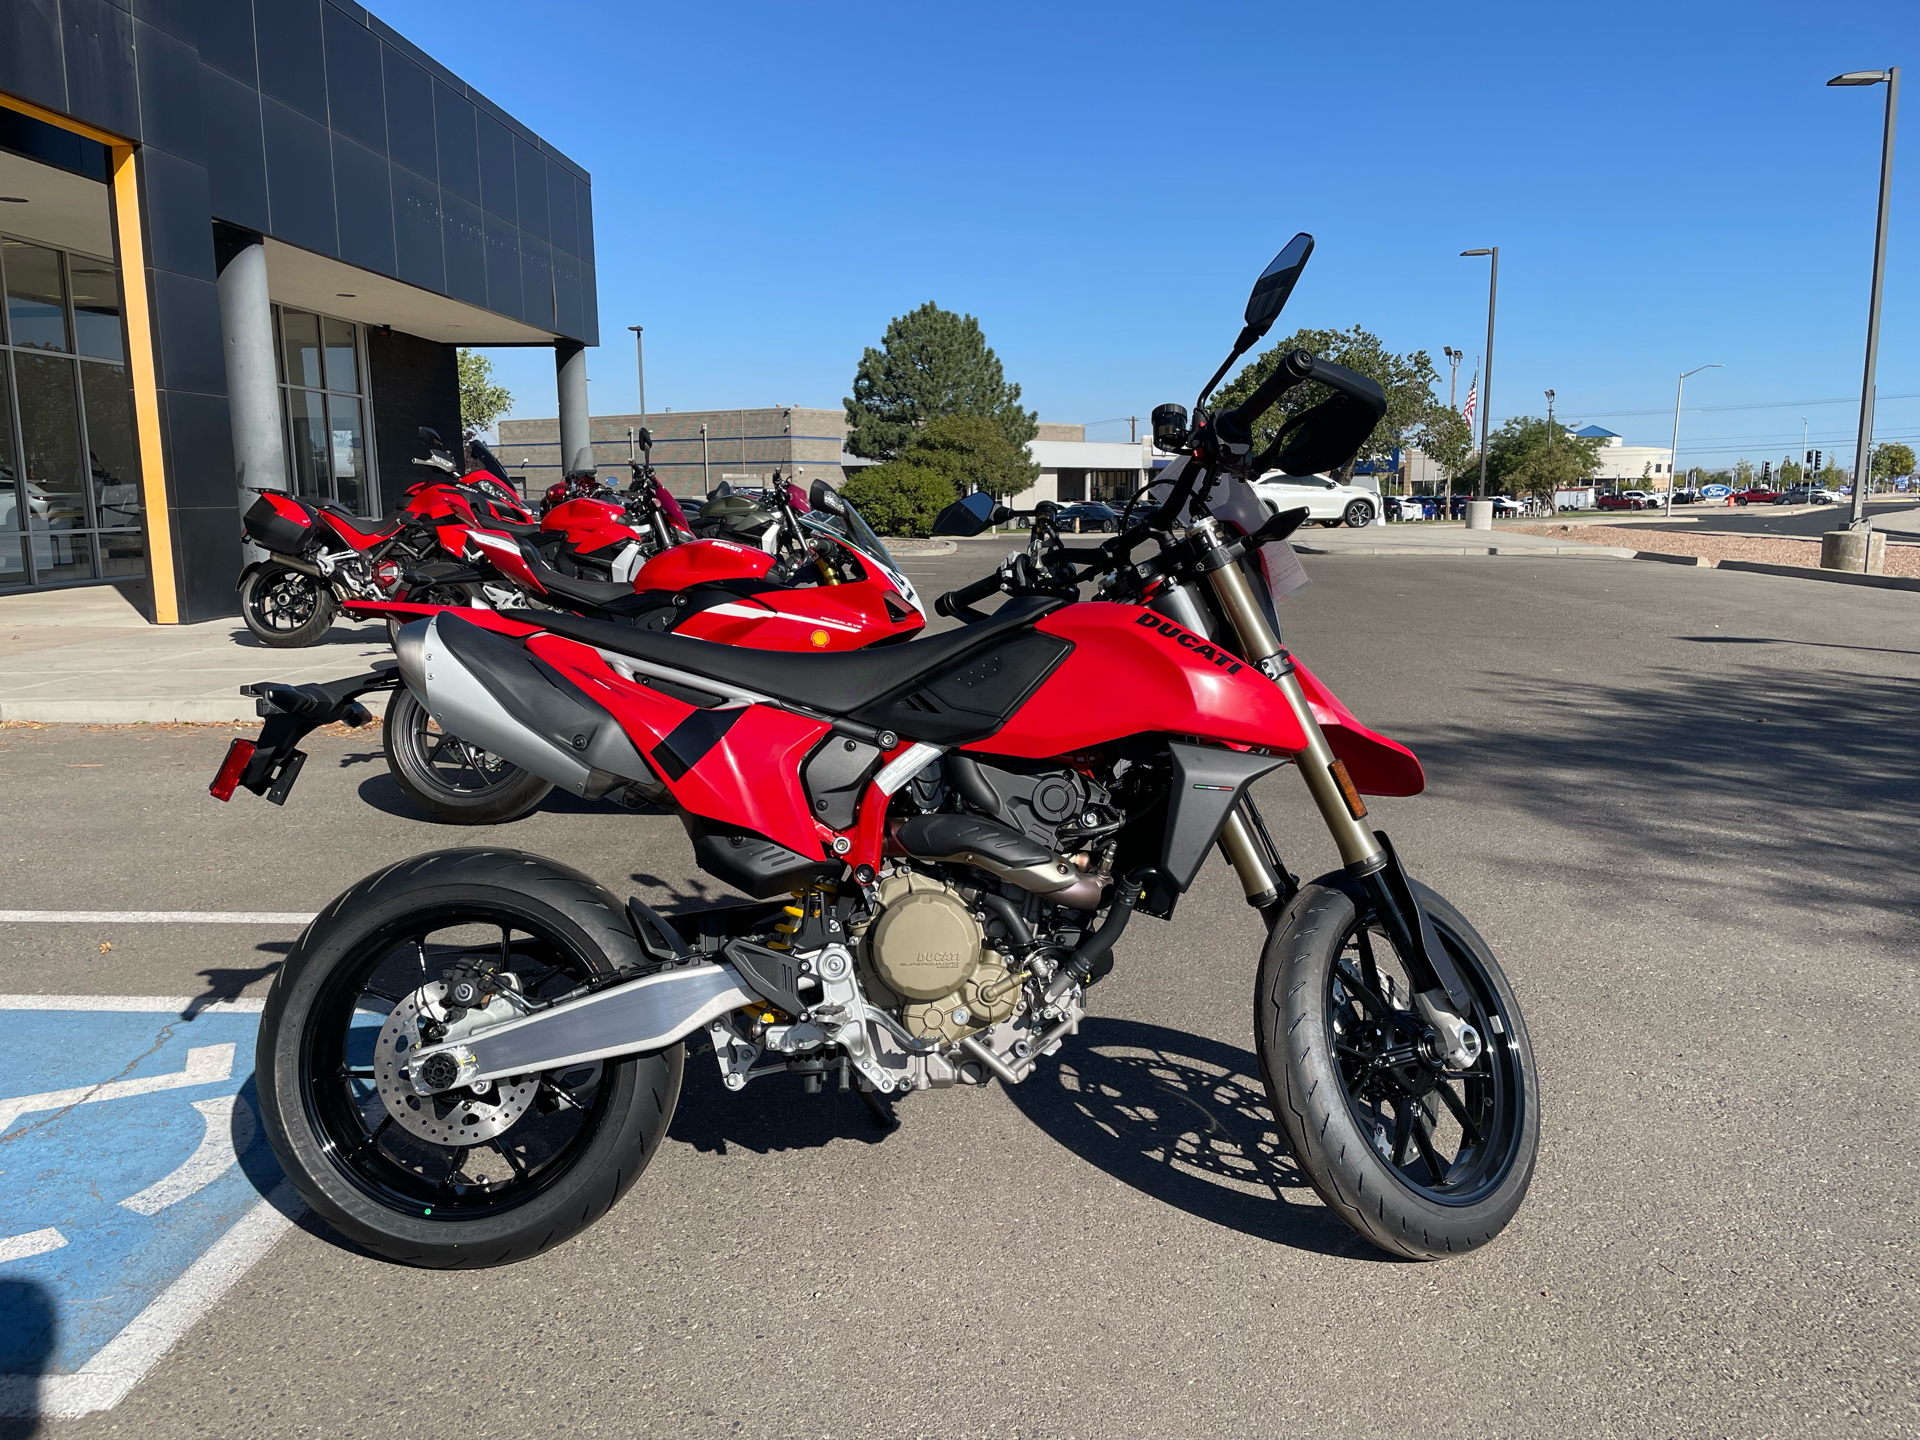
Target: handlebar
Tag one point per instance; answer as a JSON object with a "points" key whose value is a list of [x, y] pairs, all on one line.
{"points": [[1235, 426], [957, 604]]}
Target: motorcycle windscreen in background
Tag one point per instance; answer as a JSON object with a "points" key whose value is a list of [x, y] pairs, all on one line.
{"points": [[670, 507]]}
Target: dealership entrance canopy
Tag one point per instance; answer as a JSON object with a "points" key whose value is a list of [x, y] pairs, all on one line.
{"points": [[241, 242]]}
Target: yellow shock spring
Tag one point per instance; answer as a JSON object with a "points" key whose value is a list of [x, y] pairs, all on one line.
{"points": [[805, 896]]}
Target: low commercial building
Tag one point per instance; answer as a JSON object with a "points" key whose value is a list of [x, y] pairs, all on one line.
{"points": [[240, 245], [693, 450], [1650, 467]]}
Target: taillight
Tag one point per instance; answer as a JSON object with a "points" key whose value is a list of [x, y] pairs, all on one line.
{"points": [[231, 769]]}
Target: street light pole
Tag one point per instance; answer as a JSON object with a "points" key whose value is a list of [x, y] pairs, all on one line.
{"points": [[640, 359], [1863, 454], [1486, 389], [1673, 455]]}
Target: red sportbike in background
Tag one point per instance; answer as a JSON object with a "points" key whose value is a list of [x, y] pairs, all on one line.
{"points": [[320, 555], [832, 587], [469, 1056]]}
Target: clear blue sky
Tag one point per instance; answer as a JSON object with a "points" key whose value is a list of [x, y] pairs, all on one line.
{"points": [[1669, 184]]}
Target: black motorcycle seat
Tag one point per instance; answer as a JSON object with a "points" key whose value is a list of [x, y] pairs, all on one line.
{"points": [[835, 684]]}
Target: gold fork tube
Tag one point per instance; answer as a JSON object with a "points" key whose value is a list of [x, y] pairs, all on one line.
{"points": [[1360, 852]]}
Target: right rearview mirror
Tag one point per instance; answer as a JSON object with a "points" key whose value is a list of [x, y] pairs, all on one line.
{"points": [[1275, 284], [966, 517], [432, 437]]}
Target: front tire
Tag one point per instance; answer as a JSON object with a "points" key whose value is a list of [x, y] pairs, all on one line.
{"points": [[558, 1163], [456, 783], [1358, 515], [284, 608], [1420, 1166]]}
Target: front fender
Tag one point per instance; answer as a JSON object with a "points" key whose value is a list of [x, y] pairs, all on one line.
{"points": [[1377, 765]]}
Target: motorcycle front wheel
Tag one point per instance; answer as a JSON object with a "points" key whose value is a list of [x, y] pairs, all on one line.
{"points": [[460, 1179], [284, 608], [456, 783], [1423, 1161]]}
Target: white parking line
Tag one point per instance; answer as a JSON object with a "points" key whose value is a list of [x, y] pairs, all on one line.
{"points": [[123, 1362], [228, 1130], [34, 1242], [132, 1004], [152, 917]]}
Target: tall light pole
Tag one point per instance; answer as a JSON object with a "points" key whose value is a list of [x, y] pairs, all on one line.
{"points": [[1806, 455], [640, 359], [1673, 455], [1863, 454], [1486, 389]]}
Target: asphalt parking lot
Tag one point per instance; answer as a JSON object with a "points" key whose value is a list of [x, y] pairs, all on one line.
{"points": [[1680, 804]]}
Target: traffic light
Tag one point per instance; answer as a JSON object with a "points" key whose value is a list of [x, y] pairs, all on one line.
{"points": [[1766, 470], [1816, 462], [1808, 458]]}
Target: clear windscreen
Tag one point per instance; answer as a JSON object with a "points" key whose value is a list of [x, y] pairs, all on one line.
{"points": [[1273, 570], [852, 529]]}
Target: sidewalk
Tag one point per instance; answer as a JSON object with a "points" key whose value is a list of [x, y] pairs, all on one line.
{"points": [[1443, 538], [88, 656]]}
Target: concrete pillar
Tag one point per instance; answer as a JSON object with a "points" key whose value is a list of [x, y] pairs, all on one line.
{"points": [[1863, 551], [253, 390], [570, 368], [1479, 514]]}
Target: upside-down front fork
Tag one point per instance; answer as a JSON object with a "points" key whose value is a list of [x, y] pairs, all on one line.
{"points": [[1368, 855]]}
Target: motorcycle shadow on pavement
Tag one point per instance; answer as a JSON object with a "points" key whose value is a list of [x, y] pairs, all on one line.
{"points": [[383, 793], [1183, 1120]]}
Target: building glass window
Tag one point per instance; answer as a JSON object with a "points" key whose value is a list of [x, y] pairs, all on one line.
{"points": [[70, 496], [323, 388]]}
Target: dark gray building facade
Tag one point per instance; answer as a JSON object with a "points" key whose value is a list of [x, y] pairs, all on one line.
{"points": [[241, 242]]}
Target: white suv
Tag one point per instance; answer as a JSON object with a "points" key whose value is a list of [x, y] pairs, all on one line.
{"points": [[1327, 500]]}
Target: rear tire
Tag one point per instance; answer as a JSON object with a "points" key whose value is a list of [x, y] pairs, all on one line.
{"points": [[284, 608], [350, 1180], [452, 781], [1382, 1185]]}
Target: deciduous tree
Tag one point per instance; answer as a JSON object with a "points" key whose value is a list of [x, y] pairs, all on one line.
{"points": [[931, 362], [972, 452], [481, 401], [1533, 456], [1407, 379], [1892, 460], [899, 497]]}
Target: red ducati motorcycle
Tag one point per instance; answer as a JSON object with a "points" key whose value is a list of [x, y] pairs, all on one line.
{"points": [[321, 556], [471, 1055], [832, 587]]}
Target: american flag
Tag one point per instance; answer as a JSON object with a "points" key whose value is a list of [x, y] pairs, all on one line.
{"points": [[1473, 398]]}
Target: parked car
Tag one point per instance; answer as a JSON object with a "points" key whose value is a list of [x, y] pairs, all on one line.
{"points": [[1507, 505], [1809, 495], [1629, 500], [1326, 499], [1092, 516], [1412, 507], [1687, 497], [1759, 495]]}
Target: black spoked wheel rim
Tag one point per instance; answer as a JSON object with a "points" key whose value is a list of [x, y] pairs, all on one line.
{"points": [[444, 763], [364, 1139], [1450, 1136], [286, 601]]}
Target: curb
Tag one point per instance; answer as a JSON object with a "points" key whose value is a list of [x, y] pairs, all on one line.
{"points": [[940, 547], [1839, 577], [1571, 552], [152, 710]]}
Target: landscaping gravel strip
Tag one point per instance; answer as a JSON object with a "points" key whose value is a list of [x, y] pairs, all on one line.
{"points": [[1902, 560]]}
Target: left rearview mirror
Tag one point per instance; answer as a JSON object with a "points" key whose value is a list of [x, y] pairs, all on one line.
{"points": [[966, 517], [1275, 284]]}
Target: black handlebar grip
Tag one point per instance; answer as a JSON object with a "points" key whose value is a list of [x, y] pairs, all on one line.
{"points": [[1235, 426], [950, 602]]}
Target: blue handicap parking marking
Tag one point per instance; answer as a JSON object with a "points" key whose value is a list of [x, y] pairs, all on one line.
{"points": [[129, 1144]]}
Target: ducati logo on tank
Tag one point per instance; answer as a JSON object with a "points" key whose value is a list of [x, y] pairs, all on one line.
{"points": [[1191, 642]]}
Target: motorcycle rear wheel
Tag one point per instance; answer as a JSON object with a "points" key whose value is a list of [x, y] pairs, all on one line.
{"points": [[456, 783], [559, 1162], [286, 609], [1422, 1162]]}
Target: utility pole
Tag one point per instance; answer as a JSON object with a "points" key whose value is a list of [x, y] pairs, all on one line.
{"points": [[640, 359], [1486, 391], [1673, 455], [1454, 357], [706, 470], [1133, 429]]}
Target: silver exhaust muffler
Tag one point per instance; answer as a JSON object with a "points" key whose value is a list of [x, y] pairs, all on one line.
{"points": [[579, 746], [631, 1019]]}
